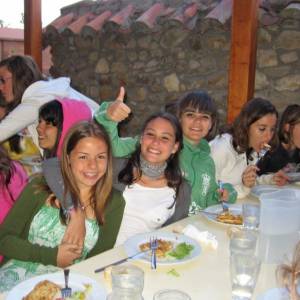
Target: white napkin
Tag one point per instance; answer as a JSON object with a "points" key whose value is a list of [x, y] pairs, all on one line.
{"points": [[203, 237]]}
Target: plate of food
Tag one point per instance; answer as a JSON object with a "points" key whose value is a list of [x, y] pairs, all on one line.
{"points": [[172, 248], [233, 216], [49, 285]]}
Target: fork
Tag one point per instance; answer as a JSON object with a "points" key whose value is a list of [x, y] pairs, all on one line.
{"points": [[66, 291], [153, 247], [224, 204]]}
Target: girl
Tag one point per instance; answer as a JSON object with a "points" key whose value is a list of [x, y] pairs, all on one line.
{"points": [[25, 89], [286, 156], [197, 114], [236, 152], [31, 237]]}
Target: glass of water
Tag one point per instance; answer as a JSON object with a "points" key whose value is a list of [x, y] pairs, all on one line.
{"points": [[243, 241], [244, 272], [171, 295], [251, 213]]}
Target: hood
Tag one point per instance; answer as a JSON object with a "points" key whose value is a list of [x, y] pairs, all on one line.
{"points": [[74, 111], [203, 147]]}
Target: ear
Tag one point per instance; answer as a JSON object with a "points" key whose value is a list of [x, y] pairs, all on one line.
{"points": [[175, 148]]}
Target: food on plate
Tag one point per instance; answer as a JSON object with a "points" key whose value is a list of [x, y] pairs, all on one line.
{"points": [[181, 250], [163, 247], [44, 290], [230, 218]]}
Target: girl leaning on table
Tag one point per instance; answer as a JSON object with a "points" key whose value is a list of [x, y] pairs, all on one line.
{"points": [[286, 156], [197, 114], [149, 179], [32, 235], [237, 150]]}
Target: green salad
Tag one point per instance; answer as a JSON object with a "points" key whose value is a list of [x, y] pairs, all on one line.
{"points": [[180, 251]]}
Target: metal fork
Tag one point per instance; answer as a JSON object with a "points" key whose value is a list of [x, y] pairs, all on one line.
{"points": [[66, 291], [225, 206], [153, 247]]}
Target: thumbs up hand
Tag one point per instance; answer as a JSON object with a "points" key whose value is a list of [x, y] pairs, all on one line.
{"points": [[118, 111]]}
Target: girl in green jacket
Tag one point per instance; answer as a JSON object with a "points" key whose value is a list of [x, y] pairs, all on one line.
{"points": [[198, 117]]}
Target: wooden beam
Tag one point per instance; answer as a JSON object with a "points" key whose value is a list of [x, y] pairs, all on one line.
{"points": [[243, 55], [33, 30]]}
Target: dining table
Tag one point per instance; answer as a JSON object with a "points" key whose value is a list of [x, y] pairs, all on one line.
{"points": [[206, 276]]}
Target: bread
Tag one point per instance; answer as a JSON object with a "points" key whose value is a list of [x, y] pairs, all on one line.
{"points": [[44, 290]]}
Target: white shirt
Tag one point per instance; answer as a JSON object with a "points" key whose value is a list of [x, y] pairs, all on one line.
{"points": [[146, 210]]}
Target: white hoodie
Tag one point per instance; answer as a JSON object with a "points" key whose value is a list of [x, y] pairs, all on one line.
{"points": [[37, 94]]}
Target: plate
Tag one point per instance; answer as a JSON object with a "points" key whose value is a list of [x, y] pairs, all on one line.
{"points": [[274, 294], [76, 282], [235, 209], [132, 246], [33, 160]]}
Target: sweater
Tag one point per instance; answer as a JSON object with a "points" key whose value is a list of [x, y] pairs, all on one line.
{"points": [[14, 230], [195, 162]]}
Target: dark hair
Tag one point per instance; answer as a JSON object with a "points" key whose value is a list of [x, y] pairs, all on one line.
{"points": [[252, 111], [102, 189], [172, 171], [198, 101], [24, 72], [6, 167], [291, 116], [52, 112]]}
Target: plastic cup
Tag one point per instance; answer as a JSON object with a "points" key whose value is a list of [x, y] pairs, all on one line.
{"points": [[171, 295], [251, 215]]}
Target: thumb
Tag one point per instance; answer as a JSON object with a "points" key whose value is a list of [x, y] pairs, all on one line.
{"points": [[121, 94]]}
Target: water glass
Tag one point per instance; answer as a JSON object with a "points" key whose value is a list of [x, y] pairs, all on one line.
{"points": [[171, 295], [251, 214], [127, 283], [244, 272], [243, 241]]}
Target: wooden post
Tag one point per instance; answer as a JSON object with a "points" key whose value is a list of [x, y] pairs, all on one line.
{"points": [[243, 55], [33, 30]]}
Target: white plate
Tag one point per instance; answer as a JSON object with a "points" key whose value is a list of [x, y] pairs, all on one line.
{"points": [[132, 246], [260, 189], [33, 160], [274, 294], [76, 282], [235, 209]]}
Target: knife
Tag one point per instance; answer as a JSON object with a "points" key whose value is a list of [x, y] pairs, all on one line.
{"points": [[118, 262]]}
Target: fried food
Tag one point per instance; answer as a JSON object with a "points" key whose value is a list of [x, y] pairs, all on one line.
{"points": [[229, 218], [44, 290], [163, 247]]}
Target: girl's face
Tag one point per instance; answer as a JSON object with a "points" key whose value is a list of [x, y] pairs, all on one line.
{"points": [[6, 84], [262, 131], [195, 125], [158, 141], [47, 134], [88, 161]]}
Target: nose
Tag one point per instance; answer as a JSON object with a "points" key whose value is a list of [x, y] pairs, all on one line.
{"points": [[269, 134], [92, 164], [40, 128]]}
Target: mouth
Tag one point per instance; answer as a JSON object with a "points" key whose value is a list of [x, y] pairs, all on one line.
{"points": [[91, 175]]}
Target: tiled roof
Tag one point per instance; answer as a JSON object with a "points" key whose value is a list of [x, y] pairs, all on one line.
{"points": [[92, 17], [12, 34]]}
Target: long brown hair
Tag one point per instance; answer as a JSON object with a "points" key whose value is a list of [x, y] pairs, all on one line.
{"points": [[6, 167], [102, 189]]}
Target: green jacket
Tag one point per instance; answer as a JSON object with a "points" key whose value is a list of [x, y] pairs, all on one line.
{"points": [[15, 228], [196, 163]]}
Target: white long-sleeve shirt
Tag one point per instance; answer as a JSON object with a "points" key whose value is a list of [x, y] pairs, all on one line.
{"points": [[25, 115]]}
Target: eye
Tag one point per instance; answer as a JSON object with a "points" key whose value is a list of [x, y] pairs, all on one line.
{"points": [[101, 156], [189, 114], [150, 134], [82, 157], [165, 138]]}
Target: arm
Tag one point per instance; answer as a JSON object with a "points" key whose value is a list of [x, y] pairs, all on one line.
{"points": [[110, 229], [14, 230]]}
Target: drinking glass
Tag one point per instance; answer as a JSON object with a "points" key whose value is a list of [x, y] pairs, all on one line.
{"points": [[251, 213], [243, 241], [127, 283], [171, 295], [244, 272]]}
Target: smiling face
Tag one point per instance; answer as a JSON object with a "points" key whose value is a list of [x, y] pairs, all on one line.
{"points": [[6, 84], [158, 141], [47, 134], [88, 161], [195, 125], [262, 131]]}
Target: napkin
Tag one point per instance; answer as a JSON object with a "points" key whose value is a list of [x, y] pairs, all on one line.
{"points": [[205, 238]]}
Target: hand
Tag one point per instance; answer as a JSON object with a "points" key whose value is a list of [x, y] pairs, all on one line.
{"points": [[280, 178], [66, 254], [118, 111], [75, 231], [249, 176], [224, 194]]}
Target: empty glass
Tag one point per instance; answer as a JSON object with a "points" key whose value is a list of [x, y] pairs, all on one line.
{"points": [[251, 213], [127, 283], [244, 273], [171, 295]]}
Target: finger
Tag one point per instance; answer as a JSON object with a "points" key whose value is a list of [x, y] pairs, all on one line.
{"points": [[121, 95]]}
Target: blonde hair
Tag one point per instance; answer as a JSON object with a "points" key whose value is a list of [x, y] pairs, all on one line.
{"points": [[102, 189]]}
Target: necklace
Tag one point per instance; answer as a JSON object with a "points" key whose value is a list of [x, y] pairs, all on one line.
{"points": [[151, 170]]}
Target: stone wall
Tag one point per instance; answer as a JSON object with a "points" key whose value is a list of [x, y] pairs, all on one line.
{"points": [[159, 66]]}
